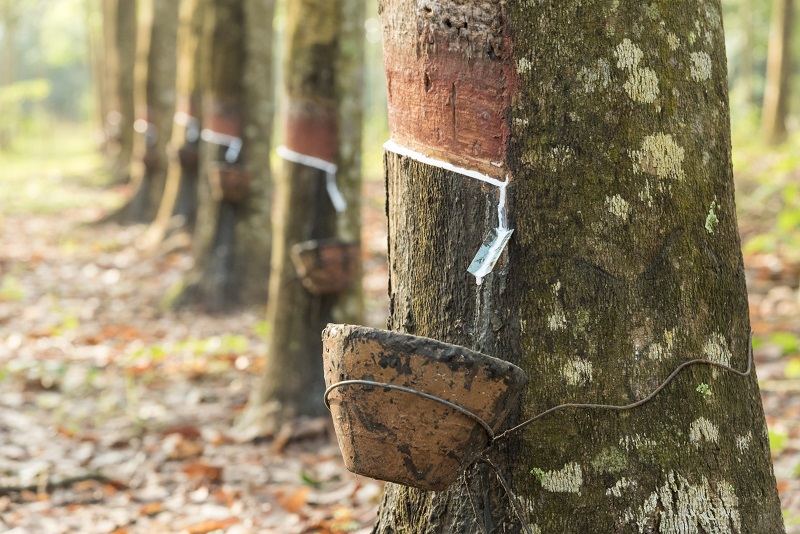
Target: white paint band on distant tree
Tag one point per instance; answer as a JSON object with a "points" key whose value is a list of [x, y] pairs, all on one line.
{"points": [[497, 238], [233, 143], [330, 169], [192, 125]]}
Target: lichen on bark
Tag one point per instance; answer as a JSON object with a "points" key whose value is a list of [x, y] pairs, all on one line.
{"points": [[633, 289]]}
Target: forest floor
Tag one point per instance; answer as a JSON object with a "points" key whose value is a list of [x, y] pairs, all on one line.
{"points": [[115, 412]]}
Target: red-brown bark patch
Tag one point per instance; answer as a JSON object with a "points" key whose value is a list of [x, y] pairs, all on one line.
{"points": [[450, 99], [311, 129]]}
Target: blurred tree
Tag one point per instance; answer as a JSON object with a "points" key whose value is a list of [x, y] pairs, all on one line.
{"points": [[178, 207], [154, 96], [747, 73], [232, 238], [120, 59], [779, 73], [10, 12], [323, 75], [104, 70], [611, 120]]}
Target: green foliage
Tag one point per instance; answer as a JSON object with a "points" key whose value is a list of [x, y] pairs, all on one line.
{"points": [[18, 93], [262, 329], [48, 168], [309, 479], [787, 341], [768, 198], [792, 369], [777, 441], [11, 290], [704, 389], [538, 473], [216, 345], [63, 30]]}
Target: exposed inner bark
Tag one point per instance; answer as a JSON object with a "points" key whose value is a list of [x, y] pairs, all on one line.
{"points": [[311, 129], [435, 105]]}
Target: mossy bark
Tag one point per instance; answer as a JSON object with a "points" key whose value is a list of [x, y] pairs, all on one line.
{"points": [[232, 237], [625, 262], [321, 101]]}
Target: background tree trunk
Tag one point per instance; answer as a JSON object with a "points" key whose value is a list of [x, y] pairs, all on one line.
{"points": [[254, 229], [9, 15], [323, 120], [98, 36], [624, 263], [155, 73], [124, 52], [350, 73], [748, 75], [779, 72], [178, 207], [232, 238]]}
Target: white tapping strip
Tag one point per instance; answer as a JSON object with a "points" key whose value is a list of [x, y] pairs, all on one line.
{"points": [[502, 211], [192, 125], [234, 144], [422, 158], [330, 169]]}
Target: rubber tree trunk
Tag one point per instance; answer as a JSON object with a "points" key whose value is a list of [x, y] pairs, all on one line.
{"points": [[323, 69], [779, 72], [155, 106], [178, 207], [611, 121], [232, 237], [124, 53], [350, 86]]}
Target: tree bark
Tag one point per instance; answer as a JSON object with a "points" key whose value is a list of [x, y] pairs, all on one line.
{"points": [[323, 77], [124, 53], [350, 73], [779, 72], [155, 106], [178, 207], [625, 260], [233, 238]]}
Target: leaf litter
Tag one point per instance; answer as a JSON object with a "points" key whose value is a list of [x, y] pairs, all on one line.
{"points": [[115, 412]]}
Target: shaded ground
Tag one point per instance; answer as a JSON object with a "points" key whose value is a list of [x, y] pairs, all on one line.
{"points": [[115, 412]]}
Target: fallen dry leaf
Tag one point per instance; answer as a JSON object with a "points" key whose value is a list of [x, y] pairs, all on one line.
{"points": [[202, 472], [152, 508], [296, 500], [187, 431], [177, 447], [208, 526]]}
